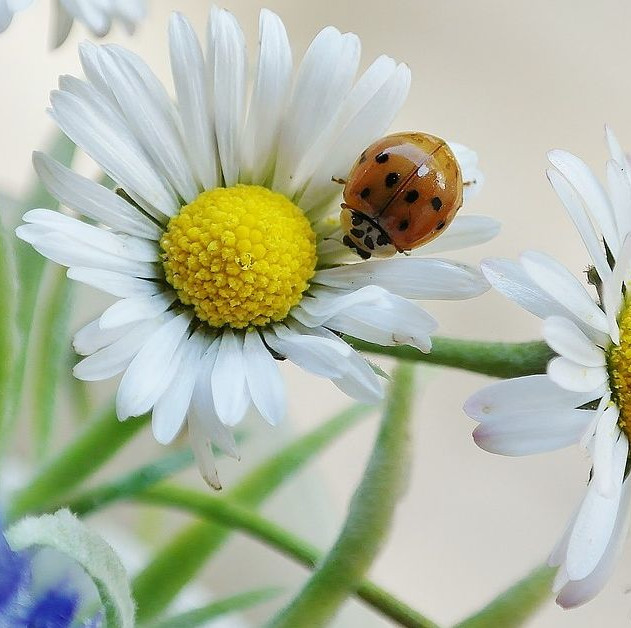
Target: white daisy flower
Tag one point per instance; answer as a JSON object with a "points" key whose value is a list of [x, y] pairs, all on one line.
{"points": [[222, 242], [8, 8], [585, 397], [96, 15]]}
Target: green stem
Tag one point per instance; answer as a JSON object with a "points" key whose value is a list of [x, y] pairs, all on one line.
{"points": [[497, 359], [98, 442], [129, 485], [369, 518], [235, 516], [9, 334], [201, 616], [50, 347], [158, 583], [513, 607]]}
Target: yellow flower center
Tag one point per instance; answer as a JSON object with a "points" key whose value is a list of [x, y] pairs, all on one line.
{"points": [[240, 256], [619, 366]]}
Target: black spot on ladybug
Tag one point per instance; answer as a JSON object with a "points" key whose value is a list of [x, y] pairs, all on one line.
{"points": [[436, 203], [403, 225], [368, 241], [382, 239], [381, 158], [358, 233], [392, 178], [440, 225], [369, 230], [411, 196], [363, 254], [362, 157], [356, 220], [365, 193], [346, 241]]}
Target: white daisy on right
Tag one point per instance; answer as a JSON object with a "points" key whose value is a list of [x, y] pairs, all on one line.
{"points": [[585, 397]]}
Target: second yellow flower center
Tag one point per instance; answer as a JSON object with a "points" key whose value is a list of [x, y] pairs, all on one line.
{"points": [[619, 366], [240, 256]]}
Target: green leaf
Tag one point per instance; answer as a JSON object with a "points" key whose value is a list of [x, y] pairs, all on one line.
{"points": [[497, 359], [131, 484], [369, 519], [67, 534], [50, 342], [99, 440], [515, 606], [228, 514], [157, 585], [233, 604], [30, 268], [9, 334]]}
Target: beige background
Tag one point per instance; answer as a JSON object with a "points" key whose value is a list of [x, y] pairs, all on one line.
{"points": [[512, 80]]}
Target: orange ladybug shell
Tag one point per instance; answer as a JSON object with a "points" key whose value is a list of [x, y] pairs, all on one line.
{"points": [[409, 185]]}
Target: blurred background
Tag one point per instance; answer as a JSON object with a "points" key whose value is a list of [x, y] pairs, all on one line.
{"points": [[511, 80]]}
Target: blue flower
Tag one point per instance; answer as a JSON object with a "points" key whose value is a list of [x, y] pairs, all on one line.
{"points": [[43, 588]]}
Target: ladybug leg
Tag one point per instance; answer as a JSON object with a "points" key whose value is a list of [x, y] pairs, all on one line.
{"points": [[338, 180]]}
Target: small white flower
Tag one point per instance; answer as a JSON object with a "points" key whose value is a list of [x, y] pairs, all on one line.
{"points": [[585, 397], [223, 243], [96, 15], [8, 8]]}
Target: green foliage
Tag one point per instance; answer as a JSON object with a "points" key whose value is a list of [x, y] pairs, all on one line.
{"points": [[158, 584], [369, 517], [514, 607]]}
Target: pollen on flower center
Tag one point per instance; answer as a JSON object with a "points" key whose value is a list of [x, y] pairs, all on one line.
{"points": [[619, 366], [240, 256]]}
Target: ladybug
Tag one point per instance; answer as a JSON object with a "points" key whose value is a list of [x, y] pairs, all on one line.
{"points": [[402, 191]]}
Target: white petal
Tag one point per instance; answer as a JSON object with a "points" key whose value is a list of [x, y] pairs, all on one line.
{"points": [[321, 356], [463, 232], [620, 192], [364, 116], [390, 321], [228, 384], [521, 395], [229, 76], [136, 308], [576, 209], [595, 522], [607, 434], [323, 79], [188, 69], [71, 252], [149, 123], [93, 200], [603, 404], [113, 283], [578, 592], [146, 372], [589, 188], [472, 176], [91, 337], [411, 278], [577, 377], [121, 245], [564, 337], [265, 382], [532, 432], [613, 286], [115, 357], [169, 412], [114, 148], [269, 100], [509, 278], [559, 283]]}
